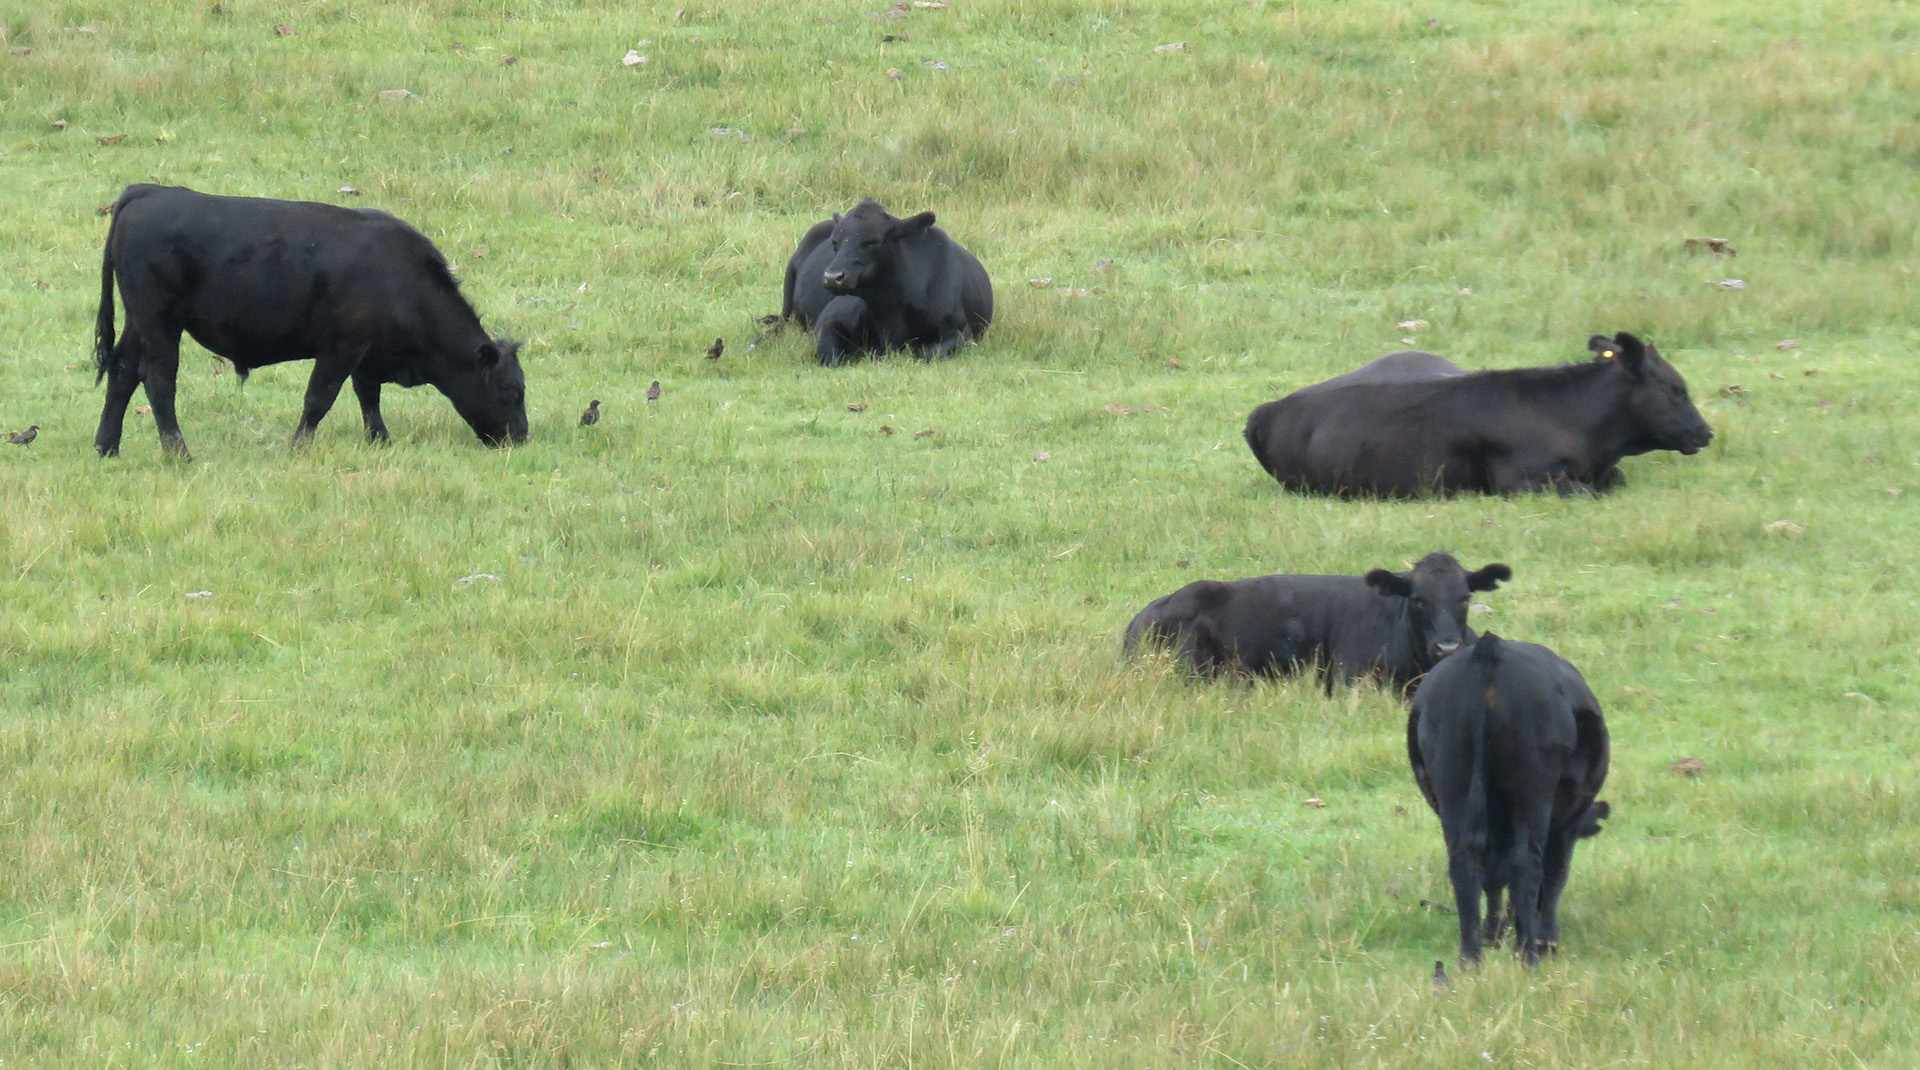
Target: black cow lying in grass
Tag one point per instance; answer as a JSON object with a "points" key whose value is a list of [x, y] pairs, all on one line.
{"points": [[866, 282], [1409, 427], [1395, 624], [1508, 746], [360, 293]]}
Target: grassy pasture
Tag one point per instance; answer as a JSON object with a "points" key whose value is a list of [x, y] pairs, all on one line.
{"points": [[767, 738]]}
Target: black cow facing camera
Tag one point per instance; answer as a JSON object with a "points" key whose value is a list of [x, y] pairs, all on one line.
{"points": [[866, 282], [1395, 624], [1508, 746], [258, 281]]}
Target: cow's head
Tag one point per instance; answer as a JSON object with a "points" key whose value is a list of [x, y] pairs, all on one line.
{"points": [[865, 242], [1663, 415], [1437, 592], [491, 395]]}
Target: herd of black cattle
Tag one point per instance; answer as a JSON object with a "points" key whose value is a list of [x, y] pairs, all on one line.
{"points": [[1505, 738]]}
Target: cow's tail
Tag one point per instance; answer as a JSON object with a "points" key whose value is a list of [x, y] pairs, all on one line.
{"points": [[1485, 658], [103, 321]]}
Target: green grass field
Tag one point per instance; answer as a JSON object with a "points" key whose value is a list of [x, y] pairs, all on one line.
{"points": [[776, 740]]}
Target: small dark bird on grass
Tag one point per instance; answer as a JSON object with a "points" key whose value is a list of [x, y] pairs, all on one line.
{"points": [[21, 438], [653, 392], [718, 347], [592, 415], [1440, 982]]}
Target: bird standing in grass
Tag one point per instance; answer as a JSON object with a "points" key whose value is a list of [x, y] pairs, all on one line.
{"points": [[22, 438], [592, 415], [718, 347], [653, 392]]}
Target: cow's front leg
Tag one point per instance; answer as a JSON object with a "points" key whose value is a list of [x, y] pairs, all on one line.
{"points": [[1555, 864], [945, 345], [367, 388], [322, 388], [1526, 865], [159, 368], [1506, 477], [841, 329]]}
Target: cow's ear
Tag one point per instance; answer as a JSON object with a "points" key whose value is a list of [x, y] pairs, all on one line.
{"points": [[488, 355], [912, 225], [1489, 578], [1604, 348], [1393, 583], [1633, 354]]}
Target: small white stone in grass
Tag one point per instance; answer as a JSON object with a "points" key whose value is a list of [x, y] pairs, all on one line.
{"points": [[633, 58], [582, 289], [1042, 456], [348, 190], [1728, 284], [199, 594], [1413, 325], [604, 944], [1317, 804]]}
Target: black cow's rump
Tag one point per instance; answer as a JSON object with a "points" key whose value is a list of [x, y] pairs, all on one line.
{"points": [[866, 282], [1404, 425], [259, 281], [1396, 624], [1509, 747]]}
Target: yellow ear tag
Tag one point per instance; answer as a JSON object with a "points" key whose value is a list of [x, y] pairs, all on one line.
{"points": [[1607, 354]]}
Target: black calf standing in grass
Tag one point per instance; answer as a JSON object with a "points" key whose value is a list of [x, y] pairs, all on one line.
{"points": [[1509, 748], [1396, 624], [866, 282], [258, 281]]}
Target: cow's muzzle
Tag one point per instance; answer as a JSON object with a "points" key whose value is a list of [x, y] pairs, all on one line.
{"points": [[834, 281], [1445, 648]]}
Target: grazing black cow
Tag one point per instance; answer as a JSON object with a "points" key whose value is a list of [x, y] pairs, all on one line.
{"points": [[1396, 624], [258, 281], [1413, 428], [1508, 745], [866, 282]]}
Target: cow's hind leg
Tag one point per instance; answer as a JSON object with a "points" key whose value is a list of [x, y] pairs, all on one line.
{"points": [[366, 387], [1468, 875], [123, 378], [159, 370]]}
